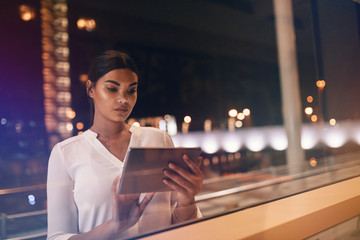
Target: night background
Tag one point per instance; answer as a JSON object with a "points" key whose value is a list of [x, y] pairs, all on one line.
{"points": [[196, 57]]}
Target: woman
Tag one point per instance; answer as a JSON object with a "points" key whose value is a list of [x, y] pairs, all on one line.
{"points": [[84, 170]]}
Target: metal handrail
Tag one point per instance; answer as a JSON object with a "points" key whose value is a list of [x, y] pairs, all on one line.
{"points": [[4, 217], [22, 189]]}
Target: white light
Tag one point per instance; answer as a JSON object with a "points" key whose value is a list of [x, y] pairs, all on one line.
{"points": [[210, 144], [278, 140], [231, 143], [69, 126], [172, 127], [238, 124], [187, 119], [334, 138], [31, 199], [233, 113], [309, 138], [356, 135], [162, 125], [3, 121], [189, 142], [136, 124], [246, 112], [255, 141], [332, 122], [241, 116]]}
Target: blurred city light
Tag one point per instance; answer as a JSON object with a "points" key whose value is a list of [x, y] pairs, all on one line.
{"points": [[79, 126], [332, 122], [255, 141], [320, 84], [313, 162], [309, 138], [241, 116], [210, 144], [231, 143], [83, 78], [70, 114], [238, 124], [207, 125], [334, 137], [27, 13], [136, 124], [88, 24], [31, 199], [314, 118], [309, 99], [187, 119], [308, 110], [246, 112], [233, 113], [3, 121], [278, 139], [162, 125]]}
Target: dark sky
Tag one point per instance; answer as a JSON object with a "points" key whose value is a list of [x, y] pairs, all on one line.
{"points": [[195, 57]]}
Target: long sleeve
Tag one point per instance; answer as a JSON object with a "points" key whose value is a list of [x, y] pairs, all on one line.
{"points": [[62, 212]]}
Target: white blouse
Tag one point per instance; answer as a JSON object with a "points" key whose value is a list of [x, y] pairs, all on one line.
{"points": [[80, 175]]}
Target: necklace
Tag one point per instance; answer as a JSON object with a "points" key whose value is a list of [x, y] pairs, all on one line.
{"points": [[104, 140]]}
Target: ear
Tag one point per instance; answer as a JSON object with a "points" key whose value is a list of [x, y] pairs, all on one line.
{"points": [[89, 88]]}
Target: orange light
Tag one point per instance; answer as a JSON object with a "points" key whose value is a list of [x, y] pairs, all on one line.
{"points": [[309, 99], [79, 125], [83, 78], [314, 118], [320, 83], [313, 162], [71, 114], [86, 23], [81, 23], [27, 13]]}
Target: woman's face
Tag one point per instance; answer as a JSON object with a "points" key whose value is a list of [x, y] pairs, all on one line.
{"points": [[114, 95]]}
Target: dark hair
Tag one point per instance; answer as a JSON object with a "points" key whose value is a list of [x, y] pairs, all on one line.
{"points": [[106, 62], [109, 61]]}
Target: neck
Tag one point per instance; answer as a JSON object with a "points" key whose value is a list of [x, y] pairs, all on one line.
{"points": [[109, 130]]}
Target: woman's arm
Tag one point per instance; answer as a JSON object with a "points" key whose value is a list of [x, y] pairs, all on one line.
{"points": [[186, 185], [126, 212], [62, 211]]}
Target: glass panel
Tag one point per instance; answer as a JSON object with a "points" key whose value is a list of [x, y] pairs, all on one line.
{"points": [[208, 75]]}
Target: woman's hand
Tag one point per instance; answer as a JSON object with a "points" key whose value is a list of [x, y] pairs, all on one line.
{"points": [[126, 208], [186, 183]]}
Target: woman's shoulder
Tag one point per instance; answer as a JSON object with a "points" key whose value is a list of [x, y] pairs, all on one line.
{"points": [[74, 140]]}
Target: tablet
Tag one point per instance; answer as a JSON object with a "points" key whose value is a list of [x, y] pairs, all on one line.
{"points": [[143, 168]]}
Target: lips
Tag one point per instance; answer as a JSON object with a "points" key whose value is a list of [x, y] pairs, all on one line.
{"points": [[122, 109]]}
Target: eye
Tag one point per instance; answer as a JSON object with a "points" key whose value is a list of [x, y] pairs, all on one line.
{"points": [[112, 89], [132, 91]]}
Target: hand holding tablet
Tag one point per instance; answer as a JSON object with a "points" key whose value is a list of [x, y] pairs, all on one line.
{"points": [[143, 170]]}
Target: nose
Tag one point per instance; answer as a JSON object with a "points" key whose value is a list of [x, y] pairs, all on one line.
{"points": [[122, 97]]}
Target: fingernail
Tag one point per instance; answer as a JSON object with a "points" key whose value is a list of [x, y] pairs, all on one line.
{"points": [[171, 165]]}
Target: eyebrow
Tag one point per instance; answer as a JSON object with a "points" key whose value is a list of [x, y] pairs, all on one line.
{"points": [[118, 84]]}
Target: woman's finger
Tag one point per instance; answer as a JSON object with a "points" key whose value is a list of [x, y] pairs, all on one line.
{"points": [[145, 201], [115, 183], [195, 167]]}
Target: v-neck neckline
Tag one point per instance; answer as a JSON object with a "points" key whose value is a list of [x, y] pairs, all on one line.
{"points": [[107, 153]]}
